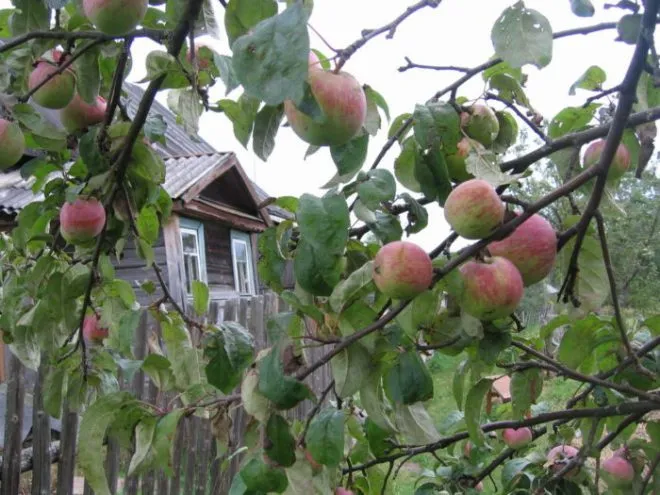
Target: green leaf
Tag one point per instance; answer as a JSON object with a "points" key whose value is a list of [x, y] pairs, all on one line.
{"points": [[377, 98], [352, 287], [629, 28], [39, 126], [124, 291], [571, 119], [508, 132], [230, 350], [378, 186], [408, 380], [386, 227], [242, 15], [522, 36], [260, 478], [188, 108], [415, 424], [458, 383], [432, 175], [374, 402], [162, 449], [509, 89], [96, 420], [75, 281], [266, 125], [591, 80], [29, 16], [582, 8], [159, 370], [242, 114], [578, 341], [226, 69], [324, 221], [88, 75], [417, 217], [182, 354], [350, 368], [254, 403], [200, 293], [147, 164], [147, 224], [281, 446], [437, 125], [317, 270], [272, 62], [397, 125], [284, 391], [325, 437], [405, 165], [155, 128], [350, 157], [473, 409], [484, 164], [160, 63], [526, 387], [144, 436]]}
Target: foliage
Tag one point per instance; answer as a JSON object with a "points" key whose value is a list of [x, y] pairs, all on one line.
{"points": [[378, 417]]}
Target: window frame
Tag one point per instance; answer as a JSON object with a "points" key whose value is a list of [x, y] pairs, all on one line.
{"points": [[195, 227], [244, 237]]}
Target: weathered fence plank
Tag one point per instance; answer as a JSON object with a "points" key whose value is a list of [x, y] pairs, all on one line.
{"points": [[40, 437], [67, 465], [11, 461]]}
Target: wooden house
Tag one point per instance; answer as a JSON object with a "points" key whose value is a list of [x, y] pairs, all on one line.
{"points": [[213, 231]]}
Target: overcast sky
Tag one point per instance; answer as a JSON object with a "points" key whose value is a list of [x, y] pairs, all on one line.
{"points": [[457, 32]]}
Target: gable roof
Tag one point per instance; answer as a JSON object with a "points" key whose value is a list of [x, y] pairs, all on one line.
{"points": [[187, 160]]}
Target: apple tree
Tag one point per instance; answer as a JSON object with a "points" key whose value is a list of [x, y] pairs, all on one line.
{"points": [[376, 302]]}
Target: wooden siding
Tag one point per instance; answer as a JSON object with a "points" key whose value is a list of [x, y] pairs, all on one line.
{"points": [[219, 268]]}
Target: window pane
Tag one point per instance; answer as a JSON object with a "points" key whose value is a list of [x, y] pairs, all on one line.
{"points": [[191, 267], [243, 280], [189, 242], [240, 251]]}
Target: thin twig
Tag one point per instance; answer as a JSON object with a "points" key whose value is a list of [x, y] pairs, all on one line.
{"points": [[600, 95], [510, 105], [653, 467], [314, 412], [412, 65]]}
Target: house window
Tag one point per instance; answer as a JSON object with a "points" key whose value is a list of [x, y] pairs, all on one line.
{"points": [[194, 259], [241, 253]]}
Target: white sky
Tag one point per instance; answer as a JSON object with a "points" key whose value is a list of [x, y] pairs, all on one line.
{"points": [[437, 36]]}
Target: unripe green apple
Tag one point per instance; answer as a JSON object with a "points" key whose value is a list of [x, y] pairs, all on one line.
{"points": [[492, 288], [344, 106], [402, 270], [115, 17], [82, 220], [620, 162], [456, 161], [79, 114], [12, 144], [482, 124], [532, 247], [517, 438], [473, 209], [58, 92]]}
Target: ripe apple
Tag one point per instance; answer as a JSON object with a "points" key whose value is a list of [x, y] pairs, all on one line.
{"points": [[402, 270], [82, 220], [473, 209], [517, 438], [115, 17], [92, 329], [492, 288], [79, 114], [482, 124], [479, 487], [620, 162], [456, 161], [58, 91], [343, 491], [532, 247], [12, 144], [558, 457], [344, 106], [617, 471]]}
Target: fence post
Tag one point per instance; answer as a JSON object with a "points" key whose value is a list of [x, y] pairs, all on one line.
{"points": [[40, 436], [11, 460], [67, 464]]}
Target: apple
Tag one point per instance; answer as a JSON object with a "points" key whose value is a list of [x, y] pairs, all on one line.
{"points": [[473, 209], [479, 487], [467, 449], [558, 457], [517, 438], [492, 288], [617, 471], [342, 101], [58, 92], [202, 63], [532, 247], [82, 220], [482, 124], [343, 491], [620, 162], [92, 329], [12, 144], [456, 161], [402, 270], [316, 467], [115, 17], [78, 115]]}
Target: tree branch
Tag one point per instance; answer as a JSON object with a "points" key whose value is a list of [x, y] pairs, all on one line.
{"points": [[412, 65], [536, 129]]}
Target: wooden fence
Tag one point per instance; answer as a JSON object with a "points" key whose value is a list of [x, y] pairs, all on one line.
{"points": [[45, 466]]}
